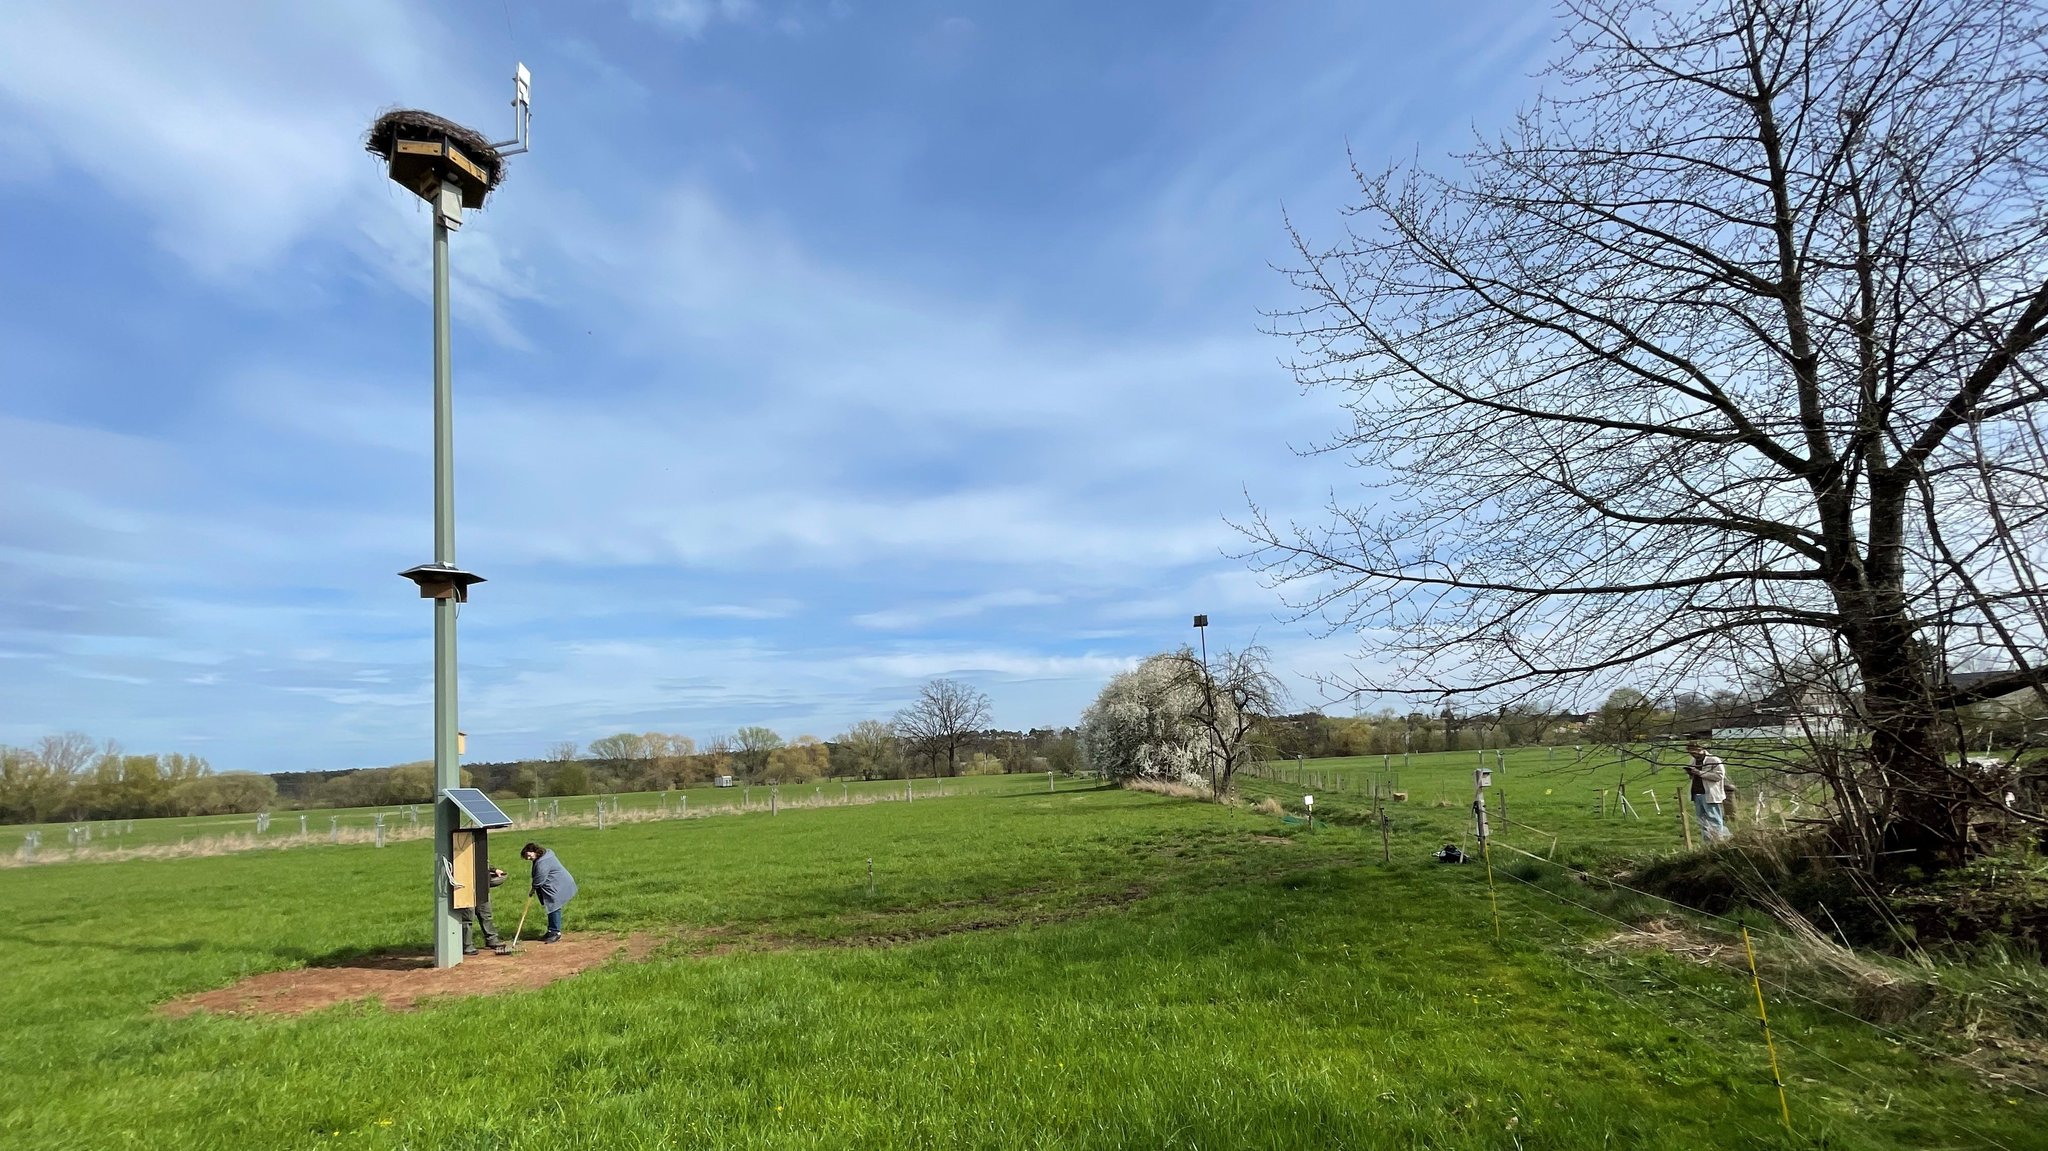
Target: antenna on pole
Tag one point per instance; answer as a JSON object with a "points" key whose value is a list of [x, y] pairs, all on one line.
{"points": [[522, 112]]}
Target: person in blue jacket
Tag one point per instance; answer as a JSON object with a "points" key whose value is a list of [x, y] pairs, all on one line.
{"points": [[552, 885]]}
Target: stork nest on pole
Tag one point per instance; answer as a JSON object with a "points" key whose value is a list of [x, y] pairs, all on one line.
{"points": [[410, 125]]}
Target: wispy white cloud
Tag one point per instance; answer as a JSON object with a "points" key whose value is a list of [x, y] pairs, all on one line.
{"points": [[943, 611], [917, 665], [232, 147], [772, 609], [691, 18]]}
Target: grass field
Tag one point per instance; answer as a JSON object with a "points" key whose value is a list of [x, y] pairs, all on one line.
{"points": [[1542, 797], [1092, 968], [1572, 777], [120, 835]]}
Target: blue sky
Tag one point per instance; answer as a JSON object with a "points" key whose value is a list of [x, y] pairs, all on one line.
{"points": [[817, 349]]}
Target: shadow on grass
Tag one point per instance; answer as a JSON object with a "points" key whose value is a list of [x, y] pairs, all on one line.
{"points": [[365, 957], [1079, 790]]}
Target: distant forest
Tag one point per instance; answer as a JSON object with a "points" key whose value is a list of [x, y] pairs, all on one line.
{"points": [[71, 778]]}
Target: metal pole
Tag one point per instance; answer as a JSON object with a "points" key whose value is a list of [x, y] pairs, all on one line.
{"points": [[447, 769]]}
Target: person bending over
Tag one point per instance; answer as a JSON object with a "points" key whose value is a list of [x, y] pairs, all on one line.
{"points": [[552, 885]]}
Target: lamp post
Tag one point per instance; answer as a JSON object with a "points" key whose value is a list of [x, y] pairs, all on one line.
{"points": [[452, 168]]}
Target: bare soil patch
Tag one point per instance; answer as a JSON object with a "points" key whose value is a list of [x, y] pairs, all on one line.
{"points": [[401, 980]]}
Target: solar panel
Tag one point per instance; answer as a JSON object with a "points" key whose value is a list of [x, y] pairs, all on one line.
{"points": [[478, 807]]}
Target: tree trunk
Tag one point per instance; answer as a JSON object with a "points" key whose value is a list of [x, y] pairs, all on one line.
{"points": [[1927, 820]]}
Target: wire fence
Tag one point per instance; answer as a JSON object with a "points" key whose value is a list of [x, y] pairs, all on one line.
{"points": [[106, 842], [1570, 936], [1625, 812]]}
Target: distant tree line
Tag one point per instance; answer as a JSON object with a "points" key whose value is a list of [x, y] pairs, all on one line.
{"points": [[945, 731], [871, 749], [1388, 732], [656, 761], [72, 777]]}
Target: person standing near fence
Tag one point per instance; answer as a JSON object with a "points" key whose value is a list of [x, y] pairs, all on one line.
{"points": [[552, 885], [1709, 790]]}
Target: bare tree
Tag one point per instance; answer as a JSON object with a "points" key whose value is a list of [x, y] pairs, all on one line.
{"points": [[871, 744], [674, 754], [618, 752], [1233, 691], [752, 746], [31, 790], [718, 754], [947, 713], [1736, 337], [66, 755]]}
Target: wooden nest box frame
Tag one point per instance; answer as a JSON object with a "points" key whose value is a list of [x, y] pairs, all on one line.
{"points": [[426, 153]]}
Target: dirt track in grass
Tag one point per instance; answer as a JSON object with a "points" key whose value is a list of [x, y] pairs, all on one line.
{"points": [[402, 980]]}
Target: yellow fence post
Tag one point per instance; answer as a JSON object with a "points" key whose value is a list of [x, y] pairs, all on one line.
{"points": [[1764, 1017], [1486, 853]]}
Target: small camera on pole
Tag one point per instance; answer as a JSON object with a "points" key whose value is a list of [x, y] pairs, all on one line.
{"points": [[1482, 778]]}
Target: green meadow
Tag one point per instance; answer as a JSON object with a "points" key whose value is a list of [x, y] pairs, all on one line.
{"points": [[112, 836], [1090, 968]]}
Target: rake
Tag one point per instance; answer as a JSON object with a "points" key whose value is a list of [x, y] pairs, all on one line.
{"points": [[520, 930]]}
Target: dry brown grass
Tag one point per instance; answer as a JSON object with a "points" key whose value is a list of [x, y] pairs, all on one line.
{"points": [[1799, 956], [1164, 787], [399, 832], [1268, 806], [1673, 937]]}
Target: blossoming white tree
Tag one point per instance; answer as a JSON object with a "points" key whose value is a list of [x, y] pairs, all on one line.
{"points": [[1172, 718]]}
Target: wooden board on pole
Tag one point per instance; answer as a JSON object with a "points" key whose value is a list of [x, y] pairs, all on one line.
{"points": [[468, 848]]}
